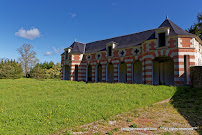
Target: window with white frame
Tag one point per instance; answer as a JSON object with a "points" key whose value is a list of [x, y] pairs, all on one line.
{"points": [[109, 47], [161, 35], [98, 56], [122, 53], [88, 57], [136, 51]]}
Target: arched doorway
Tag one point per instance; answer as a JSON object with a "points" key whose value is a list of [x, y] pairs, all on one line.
{"points": [[137, 72], [99, 73], [89, 73], [67, 73], [110, 72], [163, 71], [122, 72]]}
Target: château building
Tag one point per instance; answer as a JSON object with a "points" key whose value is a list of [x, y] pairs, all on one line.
{"points": [[162, 55]]}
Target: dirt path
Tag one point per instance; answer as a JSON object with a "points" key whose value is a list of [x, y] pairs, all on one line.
{"points": [[160, 118]]}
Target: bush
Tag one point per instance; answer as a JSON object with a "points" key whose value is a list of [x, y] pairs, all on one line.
{"points": [[39, 72]]}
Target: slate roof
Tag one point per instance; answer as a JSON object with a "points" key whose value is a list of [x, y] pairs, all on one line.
{"points": [[77, 47], [127, 40], [174, 29], [122, 41]]}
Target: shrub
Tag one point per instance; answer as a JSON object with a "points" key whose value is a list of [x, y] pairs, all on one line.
{"points": [[46, 72], [37, 72]]}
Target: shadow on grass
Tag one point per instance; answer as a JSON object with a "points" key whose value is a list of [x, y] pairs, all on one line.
{"points": [[188, 102]]}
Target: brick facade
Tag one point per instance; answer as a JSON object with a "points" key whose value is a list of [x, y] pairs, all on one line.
{"points": [[178, 50]]}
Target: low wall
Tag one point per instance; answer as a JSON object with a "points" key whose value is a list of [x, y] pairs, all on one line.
{"points": [[196, 76]]}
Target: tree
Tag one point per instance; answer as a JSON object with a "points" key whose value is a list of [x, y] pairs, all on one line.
{"points": [[46, 70], [47, 65], [9, 69], [37, 72], [197, 27], [27, 57], [53, 72]]}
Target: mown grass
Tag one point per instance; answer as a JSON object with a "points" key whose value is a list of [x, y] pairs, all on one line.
{"points": [[29, 106]]}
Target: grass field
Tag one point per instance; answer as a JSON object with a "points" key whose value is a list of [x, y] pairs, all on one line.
{"points": [[29, 106]]}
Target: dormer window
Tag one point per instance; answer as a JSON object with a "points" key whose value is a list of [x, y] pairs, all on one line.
{"points": [[109, 50], [161, 34], [109, 47], [67, 51], [66, 55], [162, 39]]}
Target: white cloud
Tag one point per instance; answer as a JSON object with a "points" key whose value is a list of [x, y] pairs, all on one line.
{"points": [[73, 15], [48, 53], [28, 34], [57, 50]]}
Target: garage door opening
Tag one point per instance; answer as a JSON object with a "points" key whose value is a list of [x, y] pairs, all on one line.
{"points": [[163, 71]]}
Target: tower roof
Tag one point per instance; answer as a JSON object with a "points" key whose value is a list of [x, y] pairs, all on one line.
{"points": [[77, 47], [174, 29]]}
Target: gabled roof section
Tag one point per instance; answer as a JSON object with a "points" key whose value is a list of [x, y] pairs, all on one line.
{"points": [[122, 41], [174, 29], [77, 47], [127, 40]]}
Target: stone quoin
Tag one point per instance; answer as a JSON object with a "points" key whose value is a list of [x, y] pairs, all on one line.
{"points": [[158, 56]]}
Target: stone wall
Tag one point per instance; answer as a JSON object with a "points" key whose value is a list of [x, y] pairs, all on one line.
{"points": [[196, 76]]}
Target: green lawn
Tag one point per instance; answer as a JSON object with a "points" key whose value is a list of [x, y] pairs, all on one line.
{"points": [[29, 106]]}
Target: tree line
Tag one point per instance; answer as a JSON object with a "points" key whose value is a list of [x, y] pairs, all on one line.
{"points": [[10, 69], [28, 66]]}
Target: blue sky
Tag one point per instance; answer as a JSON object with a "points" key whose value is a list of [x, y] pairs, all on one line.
{"points": [[52, 25]]}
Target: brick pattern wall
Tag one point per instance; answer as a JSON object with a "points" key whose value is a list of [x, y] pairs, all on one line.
{"points": [[186, 42], [172, 43], [76, 57], [147, 53]]}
